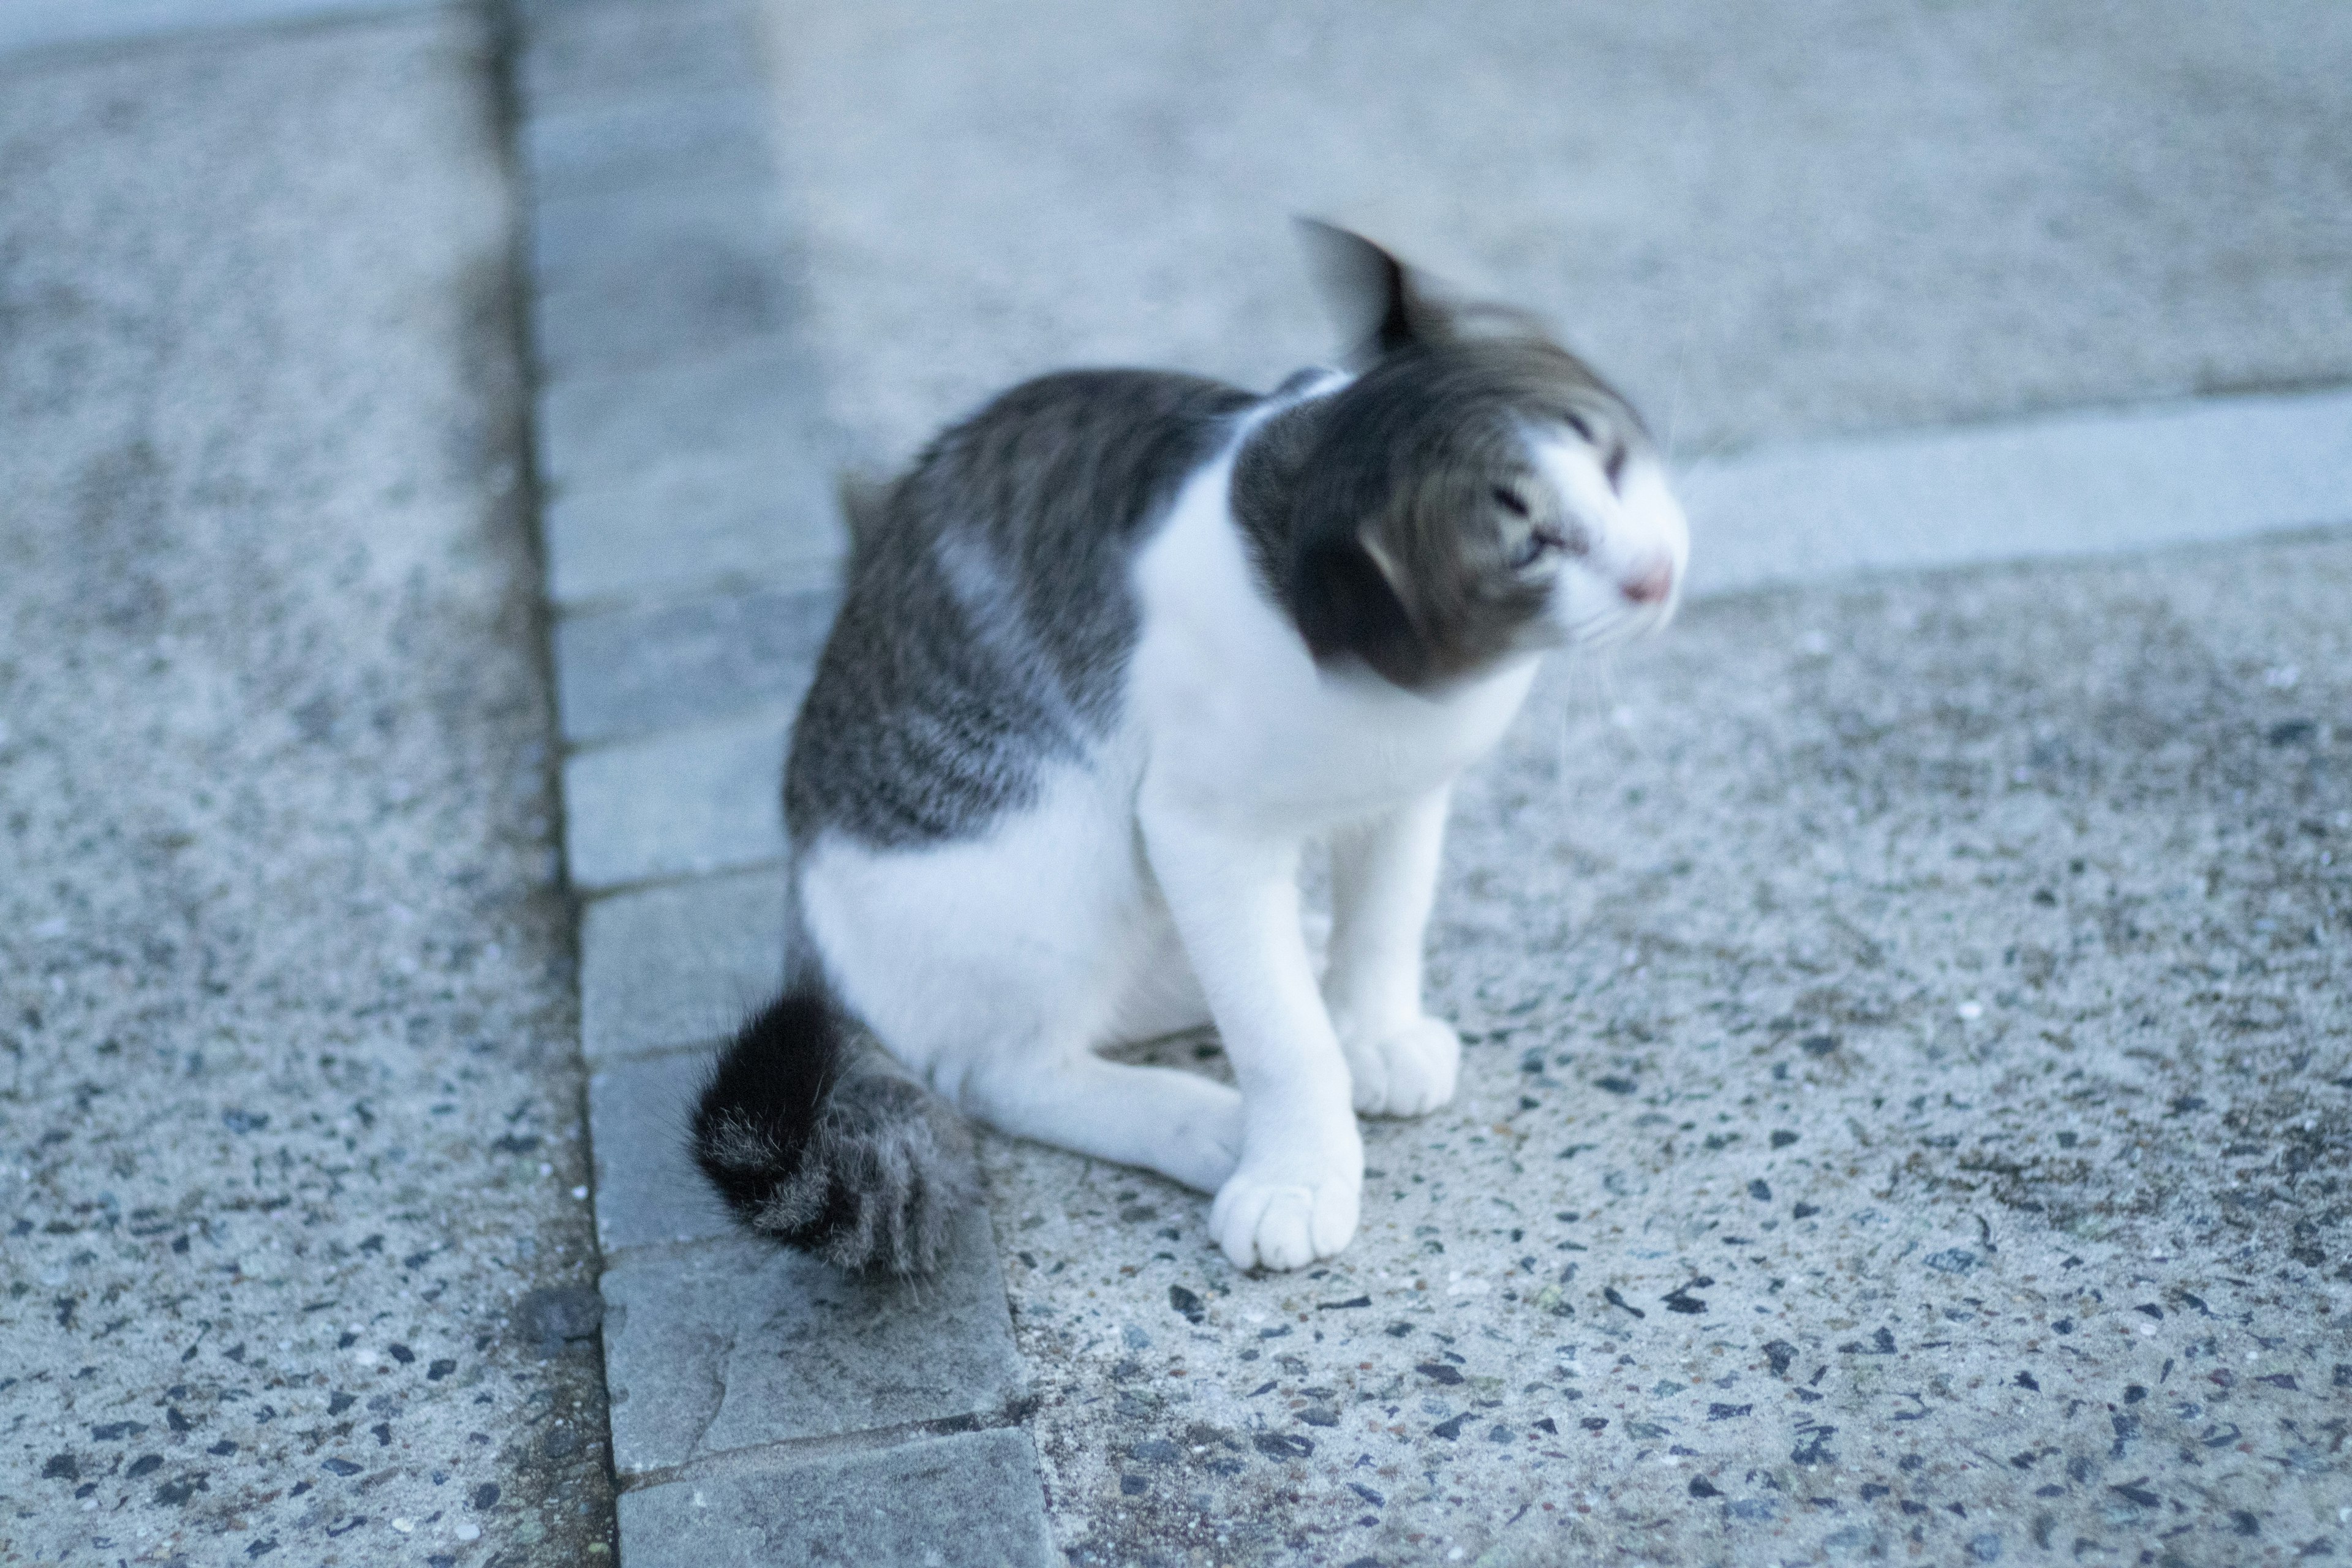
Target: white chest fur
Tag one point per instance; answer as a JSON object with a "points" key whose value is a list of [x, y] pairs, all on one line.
{"points": [[1240, 721]]}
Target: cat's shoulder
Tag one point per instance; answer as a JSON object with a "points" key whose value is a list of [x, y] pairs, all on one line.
{"points": [[1110, 401]]}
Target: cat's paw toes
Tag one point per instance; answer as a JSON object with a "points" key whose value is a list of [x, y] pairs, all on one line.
{"points": [[1406, 1072], [1276, 1224]]}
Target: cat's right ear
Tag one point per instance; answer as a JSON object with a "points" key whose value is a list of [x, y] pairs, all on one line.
{"points": [[1344, 604], [1382, 306]]}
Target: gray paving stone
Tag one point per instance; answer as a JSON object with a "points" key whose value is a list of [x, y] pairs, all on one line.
{"points": [[629, 671], [677, 804], [678, 965], [582, 56], [668, 297], [2068, 484], [36, 24], [737, 1343], [757, 398], [637, 143], [571, 237], [768, 517], [647, 1189], [970, 1500]]}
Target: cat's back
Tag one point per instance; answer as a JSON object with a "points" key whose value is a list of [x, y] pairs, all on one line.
{"points": [[987, 618]]}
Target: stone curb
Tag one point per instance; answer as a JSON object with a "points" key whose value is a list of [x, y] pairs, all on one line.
{"points": [[765, 1409]]}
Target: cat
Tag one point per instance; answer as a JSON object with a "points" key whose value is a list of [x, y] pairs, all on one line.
{"points": [[1109, 656]]}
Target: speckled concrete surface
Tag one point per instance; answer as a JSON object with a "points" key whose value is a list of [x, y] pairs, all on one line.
{"points": [[1906, 1116], [294, 1264], [1767, 221]]}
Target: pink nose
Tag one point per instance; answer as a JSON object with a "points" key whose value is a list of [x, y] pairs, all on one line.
{"points": [[1651, 584]]}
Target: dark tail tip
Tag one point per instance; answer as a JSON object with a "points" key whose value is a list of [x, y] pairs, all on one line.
{"points": [[812, 1137]]}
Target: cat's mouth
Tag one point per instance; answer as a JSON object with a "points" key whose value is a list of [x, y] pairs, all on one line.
{"points": [[1609, 612]]}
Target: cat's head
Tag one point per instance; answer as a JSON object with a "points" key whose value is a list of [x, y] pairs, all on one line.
{"points": [[1477, 492]]}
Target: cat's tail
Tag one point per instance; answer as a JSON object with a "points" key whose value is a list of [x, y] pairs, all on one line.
{"points": [[814, 1136]]}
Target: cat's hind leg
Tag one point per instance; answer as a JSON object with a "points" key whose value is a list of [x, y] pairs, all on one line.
{"points": [[1178, 1124], [994, 968]]}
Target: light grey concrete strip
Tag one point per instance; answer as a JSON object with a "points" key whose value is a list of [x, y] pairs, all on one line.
{"points": [[679, 804], [738, 1344], [579, 57], [38, 24], [575, 235], [970, 1500], [641, 144], [2071, 484], [751, 400], [688, 460], [631, 671], [678, 965], [701, 522], [764, 518], [647, 1189]]}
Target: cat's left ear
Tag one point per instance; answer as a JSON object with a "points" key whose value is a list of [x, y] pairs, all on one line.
{"points": [[1380, 301], [1345, 603]]}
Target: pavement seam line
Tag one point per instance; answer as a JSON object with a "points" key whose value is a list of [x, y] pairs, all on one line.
{"points": [[757, 1457]]}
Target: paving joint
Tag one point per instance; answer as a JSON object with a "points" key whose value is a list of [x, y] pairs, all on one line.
{"points": [[760, 1458]]}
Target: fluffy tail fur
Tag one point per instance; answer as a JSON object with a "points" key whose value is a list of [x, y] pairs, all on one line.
{"points": [[814, 1136]]}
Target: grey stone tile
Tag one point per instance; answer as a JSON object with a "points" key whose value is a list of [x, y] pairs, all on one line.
{"points": [[647, 1188], [37, 23], [577, 238], [676, 804], [971, 1499], [768, 517], [572, 238], [629, 671], [582, 56], [753, 399], [737, 1343], [665, 297], [635, 144], [680, 964], [2068, 484]]}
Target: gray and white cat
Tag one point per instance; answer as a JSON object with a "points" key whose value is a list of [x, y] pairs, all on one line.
{"points": [[1110, 656]]}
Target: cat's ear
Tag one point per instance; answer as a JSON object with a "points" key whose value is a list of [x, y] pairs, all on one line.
{"points": [[1345, 603], [1381, 304], [863, 497]]}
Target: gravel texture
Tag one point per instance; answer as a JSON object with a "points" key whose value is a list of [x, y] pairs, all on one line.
{"points": [[296, 1265], [1906, 1114]]}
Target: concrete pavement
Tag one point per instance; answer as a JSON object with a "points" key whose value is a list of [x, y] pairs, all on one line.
{"points": [[298, 1258], [1904, 1110]]}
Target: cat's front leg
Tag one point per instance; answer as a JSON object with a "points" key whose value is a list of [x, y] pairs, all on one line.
{"points": [[1383, 879], [1234, 894]]}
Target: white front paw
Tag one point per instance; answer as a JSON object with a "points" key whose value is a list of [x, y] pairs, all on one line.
{"points": [[1409, 1071], [1277, 1219]]}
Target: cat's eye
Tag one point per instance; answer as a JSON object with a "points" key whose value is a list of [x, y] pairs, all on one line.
{"points": [[1510, 501], [1539, 543]]}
